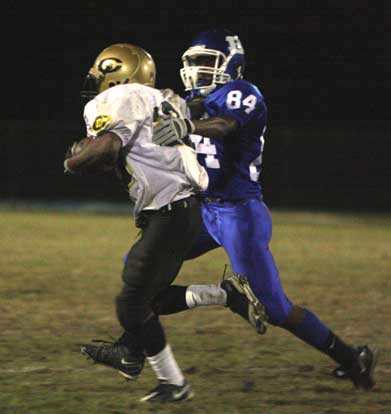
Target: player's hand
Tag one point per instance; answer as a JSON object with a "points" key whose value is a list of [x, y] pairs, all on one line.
{"points": [[171, 131], [70, 151], [196, 107], [69, 154], [73, 150]]}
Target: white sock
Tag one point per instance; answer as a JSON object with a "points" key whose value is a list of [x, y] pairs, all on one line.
{"points": [[204, 295], [166, 368]]}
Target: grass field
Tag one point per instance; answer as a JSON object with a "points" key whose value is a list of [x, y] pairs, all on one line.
{"points": [[60, 272]]}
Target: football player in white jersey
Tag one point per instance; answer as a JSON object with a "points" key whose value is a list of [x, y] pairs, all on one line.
{"points": [[163, 183]]}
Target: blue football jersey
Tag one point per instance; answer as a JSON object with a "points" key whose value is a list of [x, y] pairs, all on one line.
{"points": [[234, 162]]}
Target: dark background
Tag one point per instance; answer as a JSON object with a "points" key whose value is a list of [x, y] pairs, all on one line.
{"points": [[323, 67]]}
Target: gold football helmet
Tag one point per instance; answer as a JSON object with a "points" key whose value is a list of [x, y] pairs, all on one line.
{"points": [[119, 64]]}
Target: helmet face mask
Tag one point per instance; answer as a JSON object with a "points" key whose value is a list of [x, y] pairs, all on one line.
{"points": [[215, 58], [90, 87], [118, 64], [202, 69]]}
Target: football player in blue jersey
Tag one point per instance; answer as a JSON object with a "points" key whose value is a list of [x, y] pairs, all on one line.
{"points": [[228, 135]]}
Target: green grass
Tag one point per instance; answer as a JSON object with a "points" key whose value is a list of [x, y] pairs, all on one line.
{"points": [[59, 274]]}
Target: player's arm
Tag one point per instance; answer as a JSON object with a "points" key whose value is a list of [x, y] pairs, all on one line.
{"points": [[215, 126], [100, 153], [173, 131]]}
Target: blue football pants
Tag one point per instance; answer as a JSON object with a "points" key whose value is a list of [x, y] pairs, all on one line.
{"points": [[244, 230]]}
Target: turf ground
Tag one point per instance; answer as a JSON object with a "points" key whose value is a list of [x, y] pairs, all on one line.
{"points": [[60, 272]]}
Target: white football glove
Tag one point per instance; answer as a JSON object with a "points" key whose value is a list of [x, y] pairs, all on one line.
{"points": [[171, 131]]}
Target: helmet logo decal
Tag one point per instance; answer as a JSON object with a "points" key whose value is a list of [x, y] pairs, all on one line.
{"points": [[109, 65], [234, 44], [100, 123]]}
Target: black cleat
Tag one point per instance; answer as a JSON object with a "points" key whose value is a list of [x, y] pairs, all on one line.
{"points": [[129, 361], [362, 371], [242, 300], [165, 393]]}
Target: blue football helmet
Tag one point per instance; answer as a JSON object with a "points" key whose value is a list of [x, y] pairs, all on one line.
{"points": [[214, 58]]}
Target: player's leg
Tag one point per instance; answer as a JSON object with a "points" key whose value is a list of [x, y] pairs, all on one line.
{"points": [[152, 264], [169, 238], [182, 232], [244, 230], [245, 234]]}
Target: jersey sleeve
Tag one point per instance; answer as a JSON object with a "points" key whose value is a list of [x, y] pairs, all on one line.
{"points": [[117, 110], [239, 100]]}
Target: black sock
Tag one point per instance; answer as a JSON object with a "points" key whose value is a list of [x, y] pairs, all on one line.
{"points": [[340, 352]]}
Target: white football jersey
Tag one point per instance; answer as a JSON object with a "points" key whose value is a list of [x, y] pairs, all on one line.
{"points": [[160, 175]]}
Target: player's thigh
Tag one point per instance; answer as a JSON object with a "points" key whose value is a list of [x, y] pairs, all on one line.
{"points": [[244, 228], [155, 259], [188, 228], [202, 245]]}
